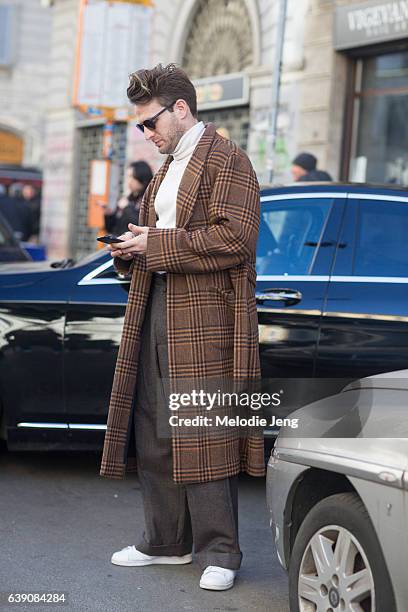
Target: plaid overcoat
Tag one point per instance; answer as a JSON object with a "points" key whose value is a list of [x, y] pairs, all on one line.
{"points": [[212, 321]]}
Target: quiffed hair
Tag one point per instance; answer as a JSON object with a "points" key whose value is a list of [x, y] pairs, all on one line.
{"points": [[165, 83]]}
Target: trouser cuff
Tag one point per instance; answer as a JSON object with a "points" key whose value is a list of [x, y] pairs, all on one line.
{"points": [[228, 560], [164, 550]]}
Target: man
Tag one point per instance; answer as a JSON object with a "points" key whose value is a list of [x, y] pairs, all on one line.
{"points": [[304, 169], [191, 316]]}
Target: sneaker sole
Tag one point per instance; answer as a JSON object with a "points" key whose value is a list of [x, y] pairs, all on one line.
{"points": [[217, 587], [156, 561]]}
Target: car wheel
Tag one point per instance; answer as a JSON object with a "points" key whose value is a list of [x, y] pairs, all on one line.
{"points": [[337, 563]]}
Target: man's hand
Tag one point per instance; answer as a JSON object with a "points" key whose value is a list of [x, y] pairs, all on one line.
{"points": [[113, 248], [135, 243]]}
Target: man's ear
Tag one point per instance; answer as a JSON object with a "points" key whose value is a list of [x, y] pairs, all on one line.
{"points": [[182, 108]]}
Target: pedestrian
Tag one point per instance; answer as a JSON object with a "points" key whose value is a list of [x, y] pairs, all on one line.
{"points": [[138, 176], [304, 168], [18, 215], [191, 316], [32, 199]]}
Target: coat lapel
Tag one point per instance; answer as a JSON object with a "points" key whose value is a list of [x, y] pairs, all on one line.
{"points": [[190, 182], [150, 221], [189, 185]]}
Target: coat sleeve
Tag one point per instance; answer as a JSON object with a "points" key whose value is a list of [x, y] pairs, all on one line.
{"points": [[231, 235]]}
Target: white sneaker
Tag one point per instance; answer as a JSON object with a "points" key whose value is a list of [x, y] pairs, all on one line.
{"points": [[217, 578], [130, 557]]}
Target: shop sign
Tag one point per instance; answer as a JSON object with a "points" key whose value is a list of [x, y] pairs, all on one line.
{"points": [[369, 23], [222, 91]]}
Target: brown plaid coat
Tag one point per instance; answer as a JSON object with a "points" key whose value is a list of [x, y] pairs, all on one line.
{"points": [[211, 310]]}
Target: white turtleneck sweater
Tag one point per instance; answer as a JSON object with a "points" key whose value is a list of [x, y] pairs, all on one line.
{"points": [[166, 197]]}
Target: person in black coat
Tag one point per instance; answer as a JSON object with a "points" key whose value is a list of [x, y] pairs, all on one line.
{"points": [[32, 198], [18, 215], [139, 175], [304, 168]]}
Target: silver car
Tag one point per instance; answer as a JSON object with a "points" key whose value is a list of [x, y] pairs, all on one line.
{"points": [[337, 492]]}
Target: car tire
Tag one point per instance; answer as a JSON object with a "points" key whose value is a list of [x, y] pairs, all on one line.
{"points": [[338, 523]]}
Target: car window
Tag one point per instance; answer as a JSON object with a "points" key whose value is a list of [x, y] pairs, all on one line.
{"points": [[104, 274], [108, 273], [92, 258], [381, 242], [6, 237], [3, 238], [289, 233]]}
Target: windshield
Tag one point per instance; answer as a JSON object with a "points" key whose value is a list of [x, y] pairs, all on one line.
{"points": [[97, 257], [6, 236]]}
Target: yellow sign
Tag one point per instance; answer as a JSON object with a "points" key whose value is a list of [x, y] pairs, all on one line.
{"points": [[11, 148]]}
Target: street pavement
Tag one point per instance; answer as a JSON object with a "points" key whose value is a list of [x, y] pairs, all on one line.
{"points": [[60, 522]]}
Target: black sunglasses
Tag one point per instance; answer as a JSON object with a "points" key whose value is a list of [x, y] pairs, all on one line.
{"points": [[151, 122]]}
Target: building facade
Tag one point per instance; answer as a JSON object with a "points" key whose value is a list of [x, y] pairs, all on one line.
{"points": [[342, 94], [372, 37], [344, 98], [25, 46]]}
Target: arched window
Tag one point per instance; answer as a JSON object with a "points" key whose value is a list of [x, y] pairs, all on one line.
{"points": [[219, 40]]}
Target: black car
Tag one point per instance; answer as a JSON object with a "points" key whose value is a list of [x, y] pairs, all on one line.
{"points": [[338, 255], [10, 249], [332, 295]]}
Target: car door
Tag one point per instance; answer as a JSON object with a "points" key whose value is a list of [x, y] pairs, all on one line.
{"points": [[32, 315], [93, 329], [364, 327], [297, 238]]}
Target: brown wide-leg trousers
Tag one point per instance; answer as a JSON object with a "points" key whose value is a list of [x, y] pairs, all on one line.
{"points": [[176, 516]]}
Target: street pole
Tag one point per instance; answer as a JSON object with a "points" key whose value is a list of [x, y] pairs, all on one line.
{"points": [[276, 79]]}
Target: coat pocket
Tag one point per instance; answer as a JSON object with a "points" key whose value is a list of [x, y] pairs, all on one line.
{"points": [[223, 316], [226, 295]]}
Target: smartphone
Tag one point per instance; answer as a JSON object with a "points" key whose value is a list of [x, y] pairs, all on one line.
{"points": [[109, 239]]}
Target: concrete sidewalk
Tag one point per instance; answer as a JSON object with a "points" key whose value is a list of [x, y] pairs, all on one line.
{"points": [[60, 523]]}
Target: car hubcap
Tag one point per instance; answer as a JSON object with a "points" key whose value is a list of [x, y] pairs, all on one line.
{"points": [[335, 575]]}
